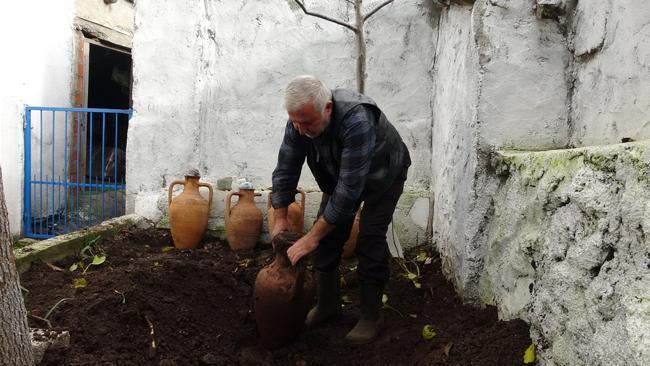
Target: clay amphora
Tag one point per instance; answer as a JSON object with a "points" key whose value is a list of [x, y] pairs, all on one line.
{"points": [[283, 295], [188, 212], [351, 244], [295, 214], [243, 221]]}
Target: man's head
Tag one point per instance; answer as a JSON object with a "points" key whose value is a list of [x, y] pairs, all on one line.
{"points": [[309, 105]]}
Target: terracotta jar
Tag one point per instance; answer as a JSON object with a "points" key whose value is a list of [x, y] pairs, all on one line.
{"points": [[188, 212], [295, 214], [243, 221], [351, 244], [283, 295]]}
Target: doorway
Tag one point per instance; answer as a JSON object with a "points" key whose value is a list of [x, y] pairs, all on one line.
{"points": [[109, 87]]}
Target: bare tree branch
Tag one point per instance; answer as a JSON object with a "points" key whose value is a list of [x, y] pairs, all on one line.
{"points": [[302, 6], [365, 17]]}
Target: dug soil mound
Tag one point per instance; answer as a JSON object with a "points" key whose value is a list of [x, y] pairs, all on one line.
{"points": [[149, 305]]}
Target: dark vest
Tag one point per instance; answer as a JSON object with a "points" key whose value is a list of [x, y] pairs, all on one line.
{"points": [[390, 157]]}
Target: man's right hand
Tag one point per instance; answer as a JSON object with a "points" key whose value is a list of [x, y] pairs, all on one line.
{"points": [[280, 226]]}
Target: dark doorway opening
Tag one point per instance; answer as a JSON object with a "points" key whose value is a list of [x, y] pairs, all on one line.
{"points": [[109, 87]]}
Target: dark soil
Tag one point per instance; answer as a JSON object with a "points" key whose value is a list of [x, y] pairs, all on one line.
{"points": [[198, 308]]}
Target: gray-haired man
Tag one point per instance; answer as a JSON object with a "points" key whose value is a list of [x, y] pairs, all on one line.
{"points": [[356, 156]]}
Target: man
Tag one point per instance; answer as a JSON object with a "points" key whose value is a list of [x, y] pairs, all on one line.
{"points": [[356, 156]]}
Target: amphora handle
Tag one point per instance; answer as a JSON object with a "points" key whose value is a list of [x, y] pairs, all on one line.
{"points": [[209, 187], [302, 201], [228, 199], [171, 189]]}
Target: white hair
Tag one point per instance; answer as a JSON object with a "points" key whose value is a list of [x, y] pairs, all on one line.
{"points": [[306, 89]]}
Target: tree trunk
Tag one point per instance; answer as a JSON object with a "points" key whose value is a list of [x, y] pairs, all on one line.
{"points": [[361, 48], [15, 345]]}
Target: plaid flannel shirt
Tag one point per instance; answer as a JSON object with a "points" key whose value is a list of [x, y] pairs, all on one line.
{"points": [[347, 174]]}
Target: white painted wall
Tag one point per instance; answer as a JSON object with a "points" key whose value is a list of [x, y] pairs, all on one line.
{"points": [[454, 140], [214, 101], [611, 97], [36, 69], [523, 61], [505, 78], [499, 81]]}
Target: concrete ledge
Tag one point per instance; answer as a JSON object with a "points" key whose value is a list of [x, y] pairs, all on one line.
{"points": [[69, 244]]}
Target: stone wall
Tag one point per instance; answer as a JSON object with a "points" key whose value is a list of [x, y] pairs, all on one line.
{"points": [[544, 75], [568, 250]]}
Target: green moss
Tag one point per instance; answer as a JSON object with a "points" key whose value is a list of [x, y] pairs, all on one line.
{"points": [[219, 232], [634, 157], [511, 162], [163, 223], [560, 164], [533, 166], [62, 246], [601, 161], [23, 242]]}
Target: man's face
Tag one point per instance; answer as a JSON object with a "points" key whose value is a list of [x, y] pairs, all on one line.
{"points": [[310, 122]]}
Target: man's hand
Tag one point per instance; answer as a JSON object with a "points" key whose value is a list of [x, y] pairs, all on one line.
{"points": [[301, 248], [310, 241]]}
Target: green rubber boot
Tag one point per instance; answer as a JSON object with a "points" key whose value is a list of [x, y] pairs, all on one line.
{"points": [[371, 320], [328, 303]]}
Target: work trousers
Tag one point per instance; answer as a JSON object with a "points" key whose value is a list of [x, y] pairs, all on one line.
{"points": [[372, 248]]}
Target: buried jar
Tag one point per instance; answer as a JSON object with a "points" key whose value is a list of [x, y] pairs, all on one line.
{"points": [[283, 295]]}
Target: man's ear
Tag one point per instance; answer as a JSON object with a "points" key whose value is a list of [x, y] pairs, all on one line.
{"points": [[328, 106]]}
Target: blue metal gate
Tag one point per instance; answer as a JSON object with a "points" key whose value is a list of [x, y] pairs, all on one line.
{"points": [[74, 168]]}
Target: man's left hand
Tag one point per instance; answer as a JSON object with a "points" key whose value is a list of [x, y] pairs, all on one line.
{"points": [[301, 248]]}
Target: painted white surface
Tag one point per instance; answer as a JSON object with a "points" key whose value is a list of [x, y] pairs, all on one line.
{"points": [[523, 102], [214, 101], [37, 71], [455, 140], [611, 97], [504, 78]]}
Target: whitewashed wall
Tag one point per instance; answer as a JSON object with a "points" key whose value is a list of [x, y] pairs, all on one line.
{"points": [[455, 141], [209, 78], [36, 69], [499, 81], [505, 77], [611, 98]]}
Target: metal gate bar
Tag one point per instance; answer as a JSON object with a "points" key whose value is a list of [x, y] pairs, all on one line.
{"points": [[74, 196]]}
